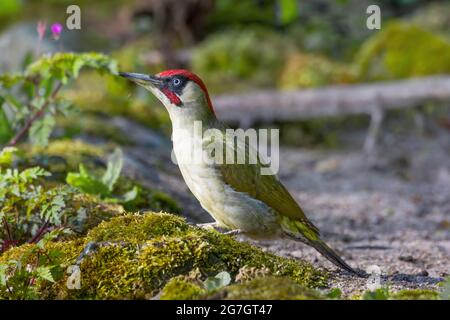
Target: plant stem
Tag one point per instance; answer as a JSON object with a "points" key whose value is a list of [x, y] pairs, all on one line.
{"points": [[37, 115], [40, 232], [7, 229]]}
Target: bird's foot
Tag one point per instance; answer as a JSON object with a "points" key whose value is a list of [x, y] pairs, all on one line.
{"points": [[88, 249], [233, 232], [92, 247], [209, 225], [215, 226]]}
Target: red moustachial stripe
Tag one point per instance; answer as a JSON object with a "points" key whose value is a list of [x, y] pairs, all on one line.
{"points": [[172, 96], [190, 76]]}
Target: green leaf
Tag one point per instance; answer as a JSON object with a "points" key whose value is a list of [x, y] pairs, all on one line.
{"points": [[87, 183], [33, 173], [45, 273], [9, 80], [5, 127], [222, 279], [114, 167], [6, 156], [288, 11], [41, 129]]}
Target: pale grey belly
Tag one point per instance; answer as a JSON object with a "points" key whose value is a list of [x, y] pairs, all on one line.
{"points": [[231, 209]]}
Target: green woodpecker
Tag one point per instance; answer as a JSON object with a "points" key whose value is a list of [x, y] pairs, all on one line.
{"points": [[237, 196]]}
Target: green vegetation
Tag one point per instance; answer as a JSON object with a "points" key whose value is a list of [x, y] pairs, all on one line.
{"points": [[33, 109], [140, 253], [63, 185], [229, 60], [306, 70], [383, 56]]}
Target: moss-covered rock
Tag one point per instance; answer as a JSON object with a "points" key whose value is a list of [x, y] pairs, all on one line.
{"points": [[238, 59], [92, 125], [383, 55], [138, 254], [415, 294], [182, 288], [261, 288], [406, 294], [307, 70], [63, 156], [266, 288]]}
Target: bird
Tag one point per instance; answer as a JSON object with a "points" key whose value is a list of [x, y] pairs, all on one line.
{"points": [[237, 195]]}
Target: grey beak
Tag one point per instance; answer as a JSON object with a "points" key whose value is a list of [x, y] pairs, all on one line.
{"points": [[142, 78]]}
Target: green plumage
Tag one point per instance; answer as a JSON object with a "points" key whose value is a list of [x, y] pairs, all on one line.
{"points": [[268, 189]]}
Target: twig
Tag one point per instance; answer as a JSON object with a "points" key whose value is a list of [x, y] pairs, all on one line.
{"points": [[38, 114]]}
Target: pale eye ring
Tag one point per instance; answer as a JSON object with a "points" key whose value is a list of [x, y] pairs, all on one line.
{"points": [[176, 81]]}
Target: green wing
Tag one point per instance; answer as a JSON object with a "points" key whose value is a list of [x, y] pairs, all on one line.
{"points": [[266, 188]]}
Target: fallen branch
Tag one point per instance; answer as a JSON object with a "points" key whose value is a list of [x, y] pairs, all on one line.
{"points": [[269, 106]]}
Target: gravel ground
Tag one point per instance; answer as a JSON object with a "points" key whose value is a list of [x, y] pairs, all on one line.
{"points": [[390, 210]]}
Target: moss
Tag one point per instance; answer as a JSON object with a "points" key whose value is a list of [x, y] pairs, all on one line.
{"points": [[383, 55], [266, 288], [239, 59], [147, 199], [406, 294], [90, 211], [306, 71], [181, 288], [415, 294], [92, 125], [142, 252], [62, 156]]}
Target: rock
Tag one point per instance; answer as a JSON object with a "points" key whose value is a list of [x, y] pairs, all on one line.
{"points": [[138, 254], [408, 258]]}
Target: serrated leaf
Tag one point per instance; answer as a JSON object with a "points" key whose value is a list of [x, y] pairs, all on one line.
{"points": [[114, 167], [45, 273], [41, 129], [220, 280]]}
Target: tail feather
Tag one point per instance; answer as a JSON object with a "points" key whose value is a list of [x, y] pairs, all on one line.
{"points": [[302, 231], [331, 255]]}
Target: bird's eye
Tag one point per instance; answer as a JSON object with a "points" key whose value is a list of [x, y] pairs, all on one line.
{"points": [[176, 82]]}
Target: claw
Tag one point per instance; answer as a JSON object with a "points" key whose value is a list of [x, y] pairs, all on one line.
{"points": [[208, 225], [233, 232], [90, 247]]}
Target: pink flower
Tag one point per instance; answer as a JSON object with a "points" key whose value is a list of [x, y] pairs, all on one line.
{"points": [[56, 30], [41, 28]]}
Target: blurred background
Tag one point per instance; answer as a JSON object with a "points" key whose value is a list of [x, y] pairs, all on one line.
{"points": [[374, 177]]}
